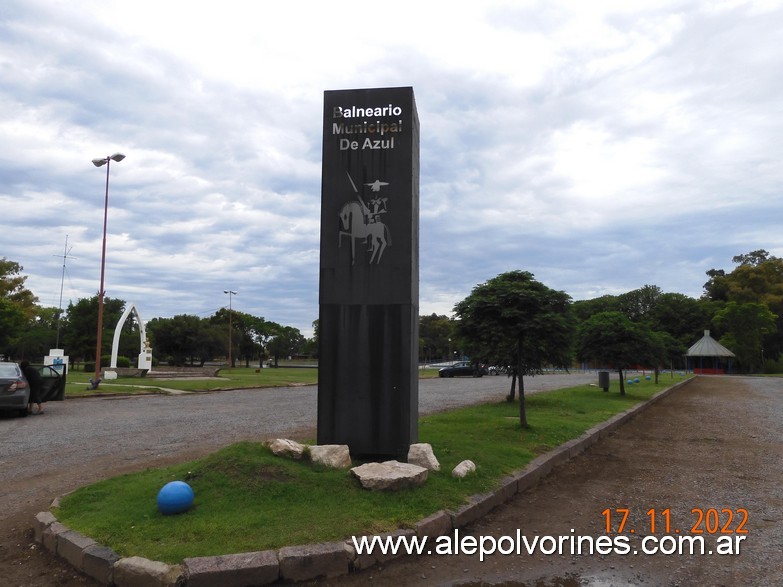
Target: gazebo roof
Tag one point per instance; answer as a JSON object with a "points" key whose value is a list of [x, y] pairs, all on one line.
{"points": [[708, 347]]}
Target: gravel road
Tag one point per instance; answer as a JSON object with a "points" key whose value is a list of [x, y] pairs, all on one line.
{"points": [[81, 441]]}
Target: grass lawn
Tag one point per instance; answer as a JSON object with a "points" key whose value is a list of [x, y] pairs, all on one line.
{"points": [[248, 500], [236, 378]]}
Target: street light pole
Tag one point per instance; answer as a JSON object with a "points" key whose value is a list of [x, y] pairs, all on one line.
{"points": [[230, 329], [100, 162]]}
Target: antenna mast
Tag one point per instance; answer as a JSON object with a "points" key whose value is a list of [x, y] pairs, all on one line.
{"points": [[64, 256]]}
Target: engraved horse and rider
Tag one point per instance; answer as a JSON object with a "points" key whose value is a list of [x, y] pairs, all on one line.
{"points": [[360, 221]]}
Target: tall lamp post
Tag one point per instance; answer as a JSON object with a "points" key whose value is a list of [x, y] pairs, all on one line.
{"points": [[230, 330], [100, 162]]}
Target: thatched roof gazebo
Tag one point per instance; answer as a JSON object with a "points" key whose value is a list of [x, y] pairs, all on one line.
{"points": [[709, 357]]}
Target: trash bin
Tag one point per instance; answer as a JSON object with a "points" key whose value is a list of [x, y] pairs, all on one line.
{"points": [[603, 380]]}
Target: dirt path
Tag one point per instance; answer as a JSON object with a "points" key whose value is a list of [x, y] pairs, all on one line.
{"points": [[716, 443]]}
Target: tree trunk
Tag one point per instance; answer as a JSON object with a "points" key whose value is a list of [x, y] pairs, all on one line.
{"points": [[520, 371], [657, 371], [622, 382], [522, 411], [510, 396]]}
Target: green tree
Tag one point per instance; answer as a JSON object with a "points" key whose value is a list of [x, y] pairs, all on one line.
{"points": [[12, 321], [757, 283], [716, 288], [12, 288], [210, 341], [250, 334], [665, 351], [310, 347], [753, 258], [583, 309], [678, 315], [186, 338], [38, 336], [610, 339], [639, 303], [682, 317], [17, 307], [286, 342], [758, 278], [434, 334], [515, 320], [79, 331], [745, 326]]}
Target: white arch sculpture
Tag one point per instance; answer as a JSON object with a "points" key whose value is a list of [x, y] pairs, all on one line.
{"points": [[145, 354]]}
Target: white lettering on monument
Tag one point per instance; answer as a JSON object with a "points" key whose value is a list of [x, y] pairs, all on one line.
{"points": [[347, 144], [348, 125], [369, 128], [356, 112]]}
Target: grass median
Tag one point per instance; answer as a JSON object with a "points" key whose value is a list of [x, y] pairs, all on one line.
{"points": [[235, 378], [248, 500]]}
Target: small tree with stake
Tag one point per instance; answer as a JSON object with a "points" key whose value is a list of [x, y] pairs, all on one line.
{"points": [[611, 339], [515, 320]]}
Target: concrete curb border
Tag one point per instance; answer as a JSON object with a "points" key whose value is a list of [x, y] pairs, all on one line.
{"points": [[311, 561]]}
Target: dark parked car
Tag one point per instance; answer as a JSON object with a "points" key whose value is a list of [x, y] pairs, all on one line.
{"points": [[15, 391], [462, 369]]}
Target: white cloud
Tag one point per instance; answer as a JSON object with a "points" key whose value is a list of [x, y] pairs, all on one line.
{"points": [[600, 146]]}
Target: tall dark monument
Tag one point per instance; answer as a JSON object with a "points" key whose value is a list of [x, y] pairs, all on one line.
{"points": [[369, 278]]}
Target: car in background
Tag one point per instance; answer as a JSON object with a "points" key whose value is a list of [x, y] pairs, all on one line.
{"points": [[15, 391], [462, 369]]}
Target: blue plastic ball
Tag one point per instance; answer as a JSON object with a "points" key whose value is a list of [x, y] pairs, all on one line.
{"points": [[636, 380], [630, 381], [175, 497], [647, 377]]}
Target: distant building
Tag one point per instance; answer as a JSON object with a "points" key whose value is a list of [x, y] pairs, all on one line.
{"points": [[709, 357]]}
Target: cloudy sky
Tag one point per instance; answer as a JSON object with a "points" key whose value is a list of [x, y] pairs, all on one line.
{"points": [[600, 145]]}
